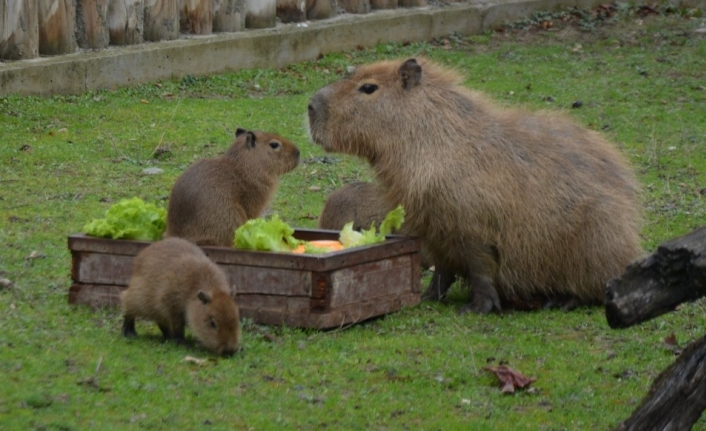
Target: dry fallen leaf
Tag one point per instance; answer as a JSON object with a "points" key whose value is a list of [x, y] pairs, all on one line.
{"points": [[671, 344], [671, 340], [193, 360], [510, 379]]}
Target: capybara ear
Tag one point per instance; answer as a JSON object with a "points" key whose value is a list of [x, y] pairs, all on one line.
{"points": [[411, 73], [204, 297], [250, 140], [239, 131]]}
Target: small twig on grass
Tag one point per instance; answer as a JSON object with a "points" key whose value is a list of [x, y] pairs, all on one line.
{"points": [[93, 380], [171, 119]]}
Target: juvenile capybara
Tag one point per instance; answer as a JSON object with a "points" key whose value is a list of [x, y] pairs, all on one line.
{"points": [[214, 196], [361, 203], [174, 283], [521, 204]]}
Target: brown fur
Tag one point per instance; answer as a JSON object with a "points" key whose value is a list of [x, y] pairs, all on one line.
{"points": [[360, 203], [215, 196], [521, 204], [174, 283]]}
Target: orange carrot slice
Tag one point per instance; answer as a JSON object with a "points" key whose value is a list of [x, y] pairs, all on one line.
{"points": [[328, 244]]}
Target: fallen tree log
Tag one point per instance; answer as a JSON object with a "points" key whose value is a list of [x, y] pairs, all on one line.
{"points": [[677, 397], [650, 287]]}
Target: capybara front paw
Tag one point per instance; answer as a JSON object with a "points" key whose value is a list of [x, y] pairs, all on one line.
{"points": [[480, 305]]}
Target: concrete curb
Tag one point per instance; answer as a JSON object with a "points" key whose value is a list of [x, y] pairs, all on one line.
{"points": [[268, 48]]}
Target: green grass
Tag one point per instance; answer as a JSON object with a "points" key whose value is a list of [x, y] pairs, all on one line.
{"points": [[64, 160]]}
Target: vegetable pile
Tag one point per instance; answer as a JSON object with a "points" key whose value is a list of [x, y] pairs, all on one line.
{"points": [[392, 221], [276, 235], [130, 219]]}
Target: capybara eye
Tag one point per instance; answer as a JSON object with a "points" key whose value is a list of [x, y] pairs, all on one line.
{"points": [[368, 88], [213, 324], [274, 145]]}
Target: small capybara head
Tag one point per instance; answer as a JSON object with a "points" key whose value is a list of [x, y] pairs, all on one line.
{"points": [[215, 320], [269, 152]]}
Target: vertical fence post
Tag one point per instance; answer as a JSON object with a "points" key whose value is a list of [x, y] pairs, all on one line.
{"points": [[161, 20], [196, 16], [291, 11], [57, 34], [228, 15], [321, 9], [19, 32], [126, 19], [355, 6], [92, 24], [260, 13], [383, 4]]}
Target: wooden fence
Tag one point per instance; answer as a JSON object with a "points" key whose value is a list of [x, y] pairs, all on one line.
{"points": [[30, 28]]}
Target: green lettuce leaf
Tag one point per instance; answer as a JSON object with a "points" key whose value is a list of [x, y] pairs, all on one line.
{"points": [[392, 221], [265, 235], [348, 236], [130, 219]]}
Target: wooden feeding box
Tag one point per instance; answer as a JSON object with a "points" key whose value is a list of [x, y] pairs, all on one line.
{"points": [[309, 291]]}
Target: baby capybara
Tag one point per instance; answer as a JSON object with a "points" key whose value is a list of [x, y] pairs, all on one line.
{"points": [[174, 283], [213, 197], [521, 204], [363, 204], [359, 202]]}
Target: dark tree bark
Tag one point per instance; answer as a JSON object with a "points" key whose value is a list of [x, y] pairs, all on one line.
{"points": [[675, 273], [677, 397]]}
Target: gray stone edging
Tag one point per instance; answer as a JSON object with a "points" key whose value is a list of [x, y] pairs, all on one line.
{"points": [[148, 62]]}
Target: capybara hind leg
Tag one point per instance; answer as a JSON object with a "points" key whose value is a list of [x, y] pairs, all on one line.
{"points": [[484, 296], [440, 284], [129, 327]]}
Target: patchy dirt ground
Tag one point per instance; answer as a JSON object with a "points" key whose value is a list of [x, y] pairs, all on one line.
{"points": [[622, 25]]}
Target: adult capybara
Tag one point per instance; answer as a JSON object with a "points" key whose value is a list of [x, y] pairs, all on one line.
{"points": [[521, 204], [215, 196], [174, 284]]}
